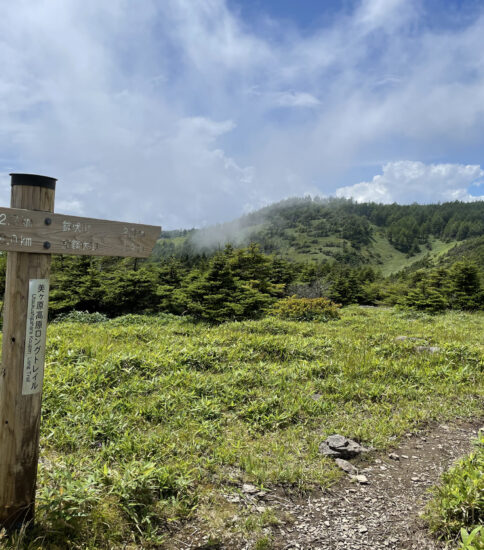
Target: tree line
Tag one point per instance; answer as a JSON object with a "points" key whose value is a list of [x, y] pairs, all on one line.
{"points": [[298, 225], [243, 283]]}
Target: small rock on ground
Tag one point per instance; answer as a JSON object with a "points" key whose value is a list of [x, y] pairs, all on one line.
{"points": [[380, 515], [383, 514], [338, 446]]}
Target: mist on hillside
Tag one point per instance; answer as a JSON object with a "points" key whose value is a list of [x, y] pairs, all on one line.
{"points": [[218, 236], [238, 232]]}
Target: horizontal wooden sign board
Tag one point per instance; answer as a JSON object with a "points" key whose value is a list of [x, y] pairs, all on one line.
{"points": [[47, 233]]}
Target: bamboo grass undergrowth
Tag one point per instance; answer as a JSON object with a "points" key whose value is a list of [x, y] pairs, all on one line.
{"points": [[147, 419]]}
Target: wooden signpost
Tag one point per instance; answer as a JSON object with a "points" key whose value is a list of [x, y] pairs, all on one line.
{"points": [[31, 232]]}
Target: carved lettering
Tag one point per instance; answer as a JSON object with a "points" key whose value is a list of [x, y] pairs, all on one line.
{"points": [[76, 227], [50, 233]]}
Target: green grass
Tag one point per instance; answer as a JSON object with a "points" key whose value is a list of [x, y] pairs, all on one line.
{"points": [[379, 253], [148, 420], [457, 509], [394, 260]]}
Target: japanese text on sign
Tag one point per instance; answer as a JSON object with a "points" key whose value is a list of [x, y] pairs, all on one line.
{"points": [[35, 335], [41, 232]]}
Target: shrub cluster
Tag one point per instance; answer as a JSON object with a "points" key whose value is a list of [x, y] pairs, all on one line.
{"points": [[439, 289]]}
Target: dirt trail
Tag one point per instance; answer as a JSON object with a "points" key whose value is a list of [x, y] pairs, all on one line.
{"points": [[382, 514]]}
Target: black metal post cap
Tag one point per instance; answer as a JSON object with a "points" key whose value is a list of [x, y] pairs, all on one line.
{"points": [[33, 180]]}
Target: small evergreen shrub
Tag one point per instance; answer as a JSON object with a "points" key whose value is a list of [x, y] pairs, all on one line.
{"points": [[306, 309], [440, 289], [458, 504]]}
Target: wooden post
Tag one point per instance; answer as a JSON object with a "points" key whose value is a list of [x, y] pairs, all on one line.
{"points": [[31, 232], [20, 412]]}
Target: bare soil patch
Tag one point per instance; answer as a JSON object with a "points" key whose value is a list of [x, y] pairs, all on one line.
{"points": [[382, 513], [385, 512]]}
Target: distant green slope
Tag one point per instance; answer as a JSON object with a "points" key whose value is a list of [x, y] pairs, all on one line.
{"points": [[389, 237], [394, 260], [471, 249]]}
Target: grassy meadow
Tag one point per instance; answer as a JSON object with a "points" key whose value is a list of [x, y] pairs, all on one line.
{"points": [[457, 506], [147, 421]]}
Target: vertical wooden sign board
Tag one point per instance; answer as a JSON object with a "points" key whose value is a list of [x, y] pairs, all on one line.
{"points": [[31, 232]]}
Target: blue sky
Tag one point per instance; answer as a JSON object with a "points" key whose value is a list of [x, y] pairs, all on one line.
{"points": [[306, 15], [190, 112]]}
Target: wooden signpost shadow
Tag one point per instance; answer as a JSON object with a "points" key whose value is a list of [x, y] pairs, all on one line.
{"points": [[31, 232]]}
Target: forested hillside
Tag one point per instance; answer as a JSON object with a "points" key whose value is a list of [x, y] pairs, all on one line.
{"points": [[389, 236], [428, 257]]}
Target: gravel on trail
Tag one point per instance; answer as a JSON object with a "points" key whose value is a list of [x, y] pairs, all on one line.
{"points": [[384, 512], [376, 507]]}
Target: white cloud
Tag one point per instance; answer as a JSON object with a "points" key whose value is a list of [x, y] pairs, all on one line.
{"points": [[180, 113], [296, 99], [119, 145], [409, 181], [388, 14], [212, 38]]}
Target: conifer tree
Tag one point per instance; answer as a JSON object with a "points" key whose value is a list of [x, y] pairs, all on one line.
{"points": [[346, 288], [75, 284], [429, 291], [465, 290], [128, 290], [218, 295]]}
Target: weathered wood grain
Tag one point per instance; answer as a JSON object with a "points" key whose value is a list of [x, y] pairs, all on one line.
{"points": [[28, 230], [20, 414]]}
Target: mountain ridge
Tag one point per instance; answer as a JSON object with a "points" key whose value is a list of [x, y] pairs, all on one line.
{"points": [[388, 237]]}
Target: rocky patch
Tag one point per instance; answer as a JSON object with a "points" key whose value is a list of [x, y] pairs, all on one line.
{"points": [[338, 446]]}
